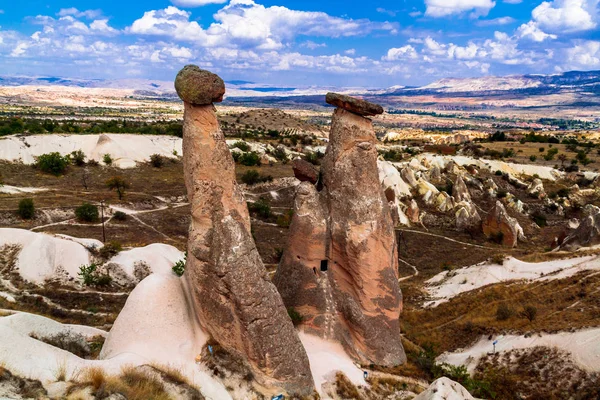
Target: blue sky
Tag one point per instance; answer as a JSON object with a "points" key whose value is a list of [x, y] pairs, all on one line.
{"points": [[377, 43]]}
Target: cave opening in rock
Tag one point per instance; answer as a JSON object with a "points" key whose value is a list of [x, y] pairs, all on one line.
{"points": [[324, 265]]}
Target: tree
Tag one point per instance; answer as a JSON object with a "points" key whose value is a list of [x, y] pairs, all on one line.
{"points": [[26, 209], [157, 160], [119, 184], [562, 158], [52, 163], [78, 158], [87, 213]]}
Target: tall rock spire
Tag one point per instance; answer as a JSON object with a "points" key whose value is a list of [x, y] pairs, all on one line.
{"points": [[233, 297], [340, 270]]}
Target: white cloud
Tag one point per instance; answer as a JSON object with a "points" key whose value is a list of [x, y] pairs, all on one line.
{"points": [[350, 52], [495, 21], [309, 44], [531, 31], [90, 14], [444, 8], [584, 55], [512, 1], [196, 3], [400, 53], [566, 15], [100, 26], [245, 24], [386, 11]]}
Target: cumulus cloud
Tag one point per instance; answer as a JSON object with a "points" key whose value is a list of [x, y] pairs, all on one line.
{"points": [[584, 55], [400, 53], [246, 24], [565, 15], [196, 3], [444, 8], [309, 44], [531, 31], [495, 21], [90, 14]]}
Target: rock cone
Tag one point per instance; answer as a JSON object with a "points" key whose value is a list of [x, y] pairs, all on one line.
{"points": [[340, 268], [233, 297], [500, 226]]}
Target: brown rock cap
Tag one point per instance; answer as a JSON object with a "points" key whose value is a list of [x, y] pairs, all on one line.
{"points": [[199, 87], [304, 171], [354, 105]]}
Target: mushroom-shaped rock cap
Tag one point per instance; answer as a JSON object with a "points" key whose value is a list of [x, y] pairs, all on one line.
{"points": [[199, 87], [354, 105]]}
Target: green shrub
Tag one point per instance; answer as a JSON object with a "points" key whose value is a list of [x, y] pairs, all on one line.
{"points": [[119, 184], [107, 159], [499, 173], [157, 160], [78, 158], [502, 193], [52, 163], [243, 146], [280, 155], [252, 177], [87, 213], [540, 219], [179, 267], [26, 209], [285, 220], [90, 276], [110, 249], [250, 159], [295, 316], [533, 158], [504, 312], [314, 158], [120, 216], [260, 208]]}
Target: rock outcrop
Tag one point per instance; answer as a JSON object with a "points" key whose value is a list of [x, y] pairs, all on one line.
{"points": [[536, 189], [445, 389], [587, 234], [234, 300], [304, 171], [339, 270], [500, 226], [354, 105], [460, 192], [413, 213], [467, 217]]}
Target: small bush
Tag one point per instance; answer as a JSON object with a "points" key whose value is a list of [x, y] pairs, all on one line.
{"points": [[52, 163], [93, 163], [260, 208], [314, 158], [78, 158], [280, 155], [498, 173], [295, 316], [110, 249], [243, 146], [157, 160], [533, 158], [529, 312], [252, 177], [120, 216], [504, 312], [91, 276], [250, 159], [87, 213], [26, 209], [539, 219], [107, 159], [285, 220], [501, 193], [498, 259], [179, 267]]}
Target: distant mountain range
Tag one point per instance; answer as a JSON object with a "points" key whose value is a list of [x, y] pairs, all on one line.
{"points": [[584, 83]]}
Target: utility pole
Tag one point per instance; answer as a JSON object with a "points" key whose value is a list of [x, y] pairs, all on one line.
{"points": [[102, 216]]}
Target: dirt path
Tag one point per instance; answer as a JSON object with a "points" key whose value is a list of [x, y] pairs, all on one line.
{"points": [[446, 238]]}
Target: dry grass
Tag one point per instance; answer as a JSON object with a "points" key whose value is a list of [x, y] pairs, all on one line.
{"points": [[570, 303], [131, 383], [61, 372], [172, 374], [345, 388]]}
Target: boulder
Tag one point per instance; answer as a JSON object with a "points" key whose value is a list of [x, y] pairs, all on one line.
{"points": [[460, 192], [590, 209], [413, 213], [435, 175], [516, 182], [409, 177], [445, 389], [199, 87], [499, 225], [536, 189], [391, 179], [340, 268], [233, 297], [445, 202], [354, 105], [467, 217], [491, 188], [586, 235], [305, 171]]}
